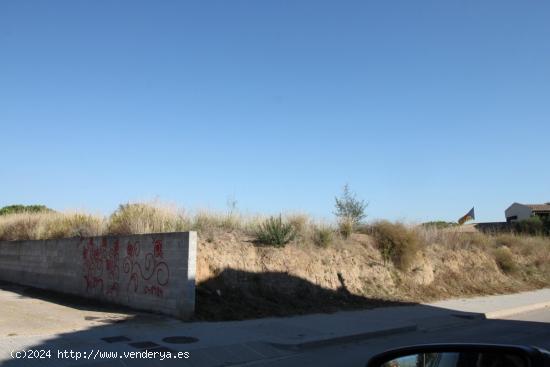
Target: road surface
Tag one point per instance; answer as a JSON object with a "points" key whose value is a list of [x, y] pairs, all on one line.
{"points": [[531, 328], [32, 320]]}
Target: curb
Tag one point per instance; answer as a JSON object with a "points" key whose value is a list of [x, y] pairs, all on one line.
{"points": [[347, 338], [409, 328], [449, 321], [516, 310]]}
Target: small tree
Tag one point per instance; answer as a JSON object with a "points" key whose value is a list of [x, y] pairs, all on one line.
{"points": [[349, 210]]}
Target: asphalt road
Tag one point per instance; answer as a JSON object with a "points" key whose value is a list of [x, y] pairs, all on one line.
{"points": [[531, 328]]}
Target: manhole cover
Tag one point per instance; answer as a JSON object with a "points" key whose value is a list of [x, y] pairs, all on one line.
{"points": [[180, 340]]}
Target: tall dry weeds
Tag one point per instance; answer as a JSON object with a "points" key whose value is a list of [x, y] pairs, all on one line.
{"points": [[137, 218], [49, 225], [21, 226]]}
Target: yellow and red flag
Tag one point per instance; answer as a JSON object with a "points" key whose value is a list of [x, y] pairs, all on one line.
{"points": [[469, 216]]}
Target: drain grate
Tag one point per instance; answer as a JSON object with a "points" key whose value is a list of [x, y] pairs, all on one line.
{"points": [[180, 340]]}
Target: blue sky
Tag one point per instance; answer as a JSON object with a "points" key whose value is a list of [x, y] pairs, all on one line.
{"points": [[425, 108]]}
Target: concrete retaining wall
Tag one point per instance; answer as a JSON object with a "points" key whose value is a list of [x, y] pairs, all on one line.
{"points": [[152, 272]]}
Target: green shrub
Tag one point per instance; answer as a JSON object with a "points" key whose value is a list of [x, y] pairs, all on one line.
{"points": [[533, 226], [349, 210], [396, 243], [15, 209], [274, 231], [505, 259], [323, 236], [546, 226]]}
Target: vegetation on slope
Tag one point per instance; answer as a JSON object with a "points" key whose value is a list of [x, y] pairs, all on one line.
{"points": [[253, 266]]}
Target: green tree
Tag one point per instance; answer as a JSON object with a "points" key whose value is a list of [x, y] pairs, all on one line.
{"points": [[349, 209], [13, 209]]}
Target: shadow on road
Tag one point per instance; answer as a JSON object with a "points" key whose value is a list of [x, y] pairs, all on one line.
{"points": [[259, 295]]}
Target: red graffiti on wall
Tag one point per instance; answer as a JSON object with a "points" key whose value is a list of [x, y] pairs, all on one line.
{"points": [[100, 266], [93, 282], [154, 268], [154, 290], [157, 248]]}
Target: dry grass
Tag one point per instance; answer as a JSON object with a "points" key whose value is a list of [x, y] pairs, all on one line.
{"points": [[49, 225], [323, 235], [146, 218], [346, 227], [136, 218], [22, 226], [301, 223], [72, 225], [453, 238], [505, 259]]}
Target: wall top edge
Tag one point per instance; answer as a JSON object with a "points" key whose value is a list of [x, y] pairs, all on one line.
{"points": [[187, 233]]}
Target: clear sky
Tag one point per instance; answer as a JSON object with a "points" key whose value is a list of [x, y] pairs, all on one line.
{"points": [[426, 108]]}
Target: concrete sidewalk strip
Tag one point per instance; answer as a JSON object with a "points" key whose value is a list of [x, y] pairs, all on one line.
{"points": [[516, 310], [344, 339], [501, 305]]}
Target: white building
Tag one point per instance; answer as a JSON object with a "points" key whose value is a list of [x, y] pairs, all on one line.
{"points": [[517, 211]]}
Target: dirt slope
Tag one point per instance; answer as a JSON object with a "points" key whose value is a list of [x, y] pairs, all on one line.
{"points": [[237, 279]]}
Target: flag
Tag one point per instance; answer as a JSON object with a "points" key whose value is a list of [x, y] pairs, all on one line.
{"points": [[469, 216]]}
